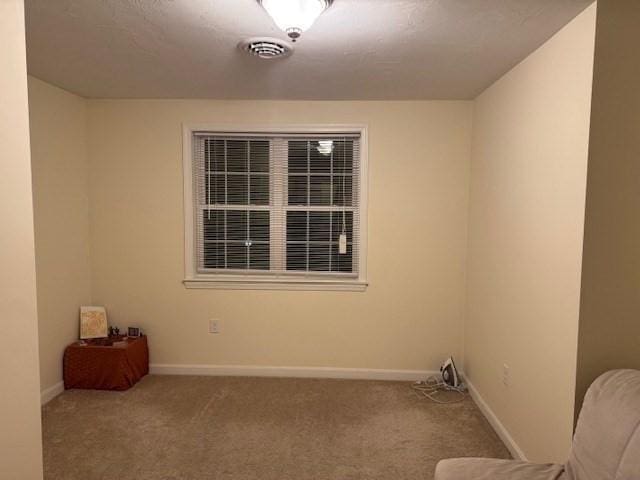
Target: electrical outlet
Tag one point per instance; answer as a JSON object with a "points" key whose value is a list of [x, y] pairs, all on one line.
{"points": [[214, 326], [506, 377]]}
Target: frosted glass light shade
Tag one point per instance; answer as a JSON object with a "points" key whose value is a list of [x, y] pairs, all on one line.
{"points": [[294, 16]]}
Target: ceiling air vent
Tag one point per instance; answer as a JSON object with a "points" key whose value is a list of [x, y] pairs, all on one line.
{"points": [[266, 47]]}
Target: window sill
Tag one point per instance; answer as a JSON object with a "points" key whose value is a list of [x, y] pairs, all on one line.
{"points": [[278, 284]]}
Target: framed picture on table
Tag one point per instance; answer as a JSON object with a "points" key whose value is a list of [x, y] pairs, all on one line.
{"points": [[133, 332], [93, 322]]}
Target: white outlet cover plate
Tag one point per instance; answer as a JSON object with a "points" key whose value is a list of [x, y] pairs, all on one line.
{"points": [[214, 326]]}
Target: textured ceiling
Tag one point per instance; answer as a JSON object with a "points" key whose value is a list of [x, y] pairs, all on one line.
{"points": [[358, 49]]}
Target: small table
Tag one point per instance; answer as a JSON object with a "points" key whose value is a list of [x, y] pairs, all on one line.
{"points": [[106, 367]]}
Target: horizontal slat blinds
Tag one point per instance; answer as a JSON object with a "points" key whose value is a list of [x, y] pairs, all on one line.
{"points": [[277, 205]]}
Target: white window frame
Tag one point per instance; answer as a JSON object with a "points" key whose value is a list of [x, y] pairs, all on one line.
{"points": [[197, 280]]}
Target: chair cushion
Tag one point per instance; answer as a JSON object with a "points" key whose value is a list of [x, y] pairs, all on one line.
{"points": [[490, 469], [606, 445]]}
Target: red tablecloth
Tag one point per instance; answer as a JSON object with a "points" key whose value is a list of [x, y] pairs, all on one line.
{"points": [[100, 367]]}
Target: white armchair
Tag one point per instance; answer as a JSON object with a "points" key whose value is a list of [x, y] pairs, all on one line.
{"points": [[606, 445]]}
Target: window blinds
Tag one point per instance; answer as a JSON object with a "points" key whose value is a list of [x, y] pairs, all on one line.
{"points": [[277, 205]]}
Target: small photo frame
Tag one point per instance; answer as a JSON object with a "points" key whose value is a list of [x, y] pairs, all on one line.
{"points": [[133, 332], [93, 322]]}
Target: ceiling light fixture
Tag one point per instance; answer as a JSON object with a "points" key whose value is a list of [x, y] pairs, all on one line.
{"points": [[295, 16]]}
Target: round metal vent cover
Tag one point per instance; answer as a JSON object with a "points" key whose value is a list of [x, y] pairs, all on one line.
{"points": [[266, 47]]}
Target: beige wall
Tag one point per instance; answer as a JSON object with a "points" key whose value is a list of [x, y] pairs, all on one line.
{"points": [[528, 173], [609, 334], [20, 446], [61, 218], [411, 316]]}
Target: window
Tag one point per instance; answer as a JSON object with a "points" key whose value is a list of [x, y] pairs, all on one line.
{"points": [[281, 209]]}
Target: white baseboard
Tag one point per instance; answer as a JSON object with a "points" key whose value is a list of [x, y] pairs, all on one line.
{"points": [[290, 372], [495, 422], [50, 393]]}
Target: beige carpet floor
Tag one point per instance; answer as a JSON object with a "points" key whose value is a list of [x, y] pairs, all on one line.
{"points": [[197, 428]]}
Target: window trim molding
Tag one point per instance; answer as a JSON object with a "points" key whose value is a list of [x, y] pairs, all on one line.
{"points": [[195, 280]]}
